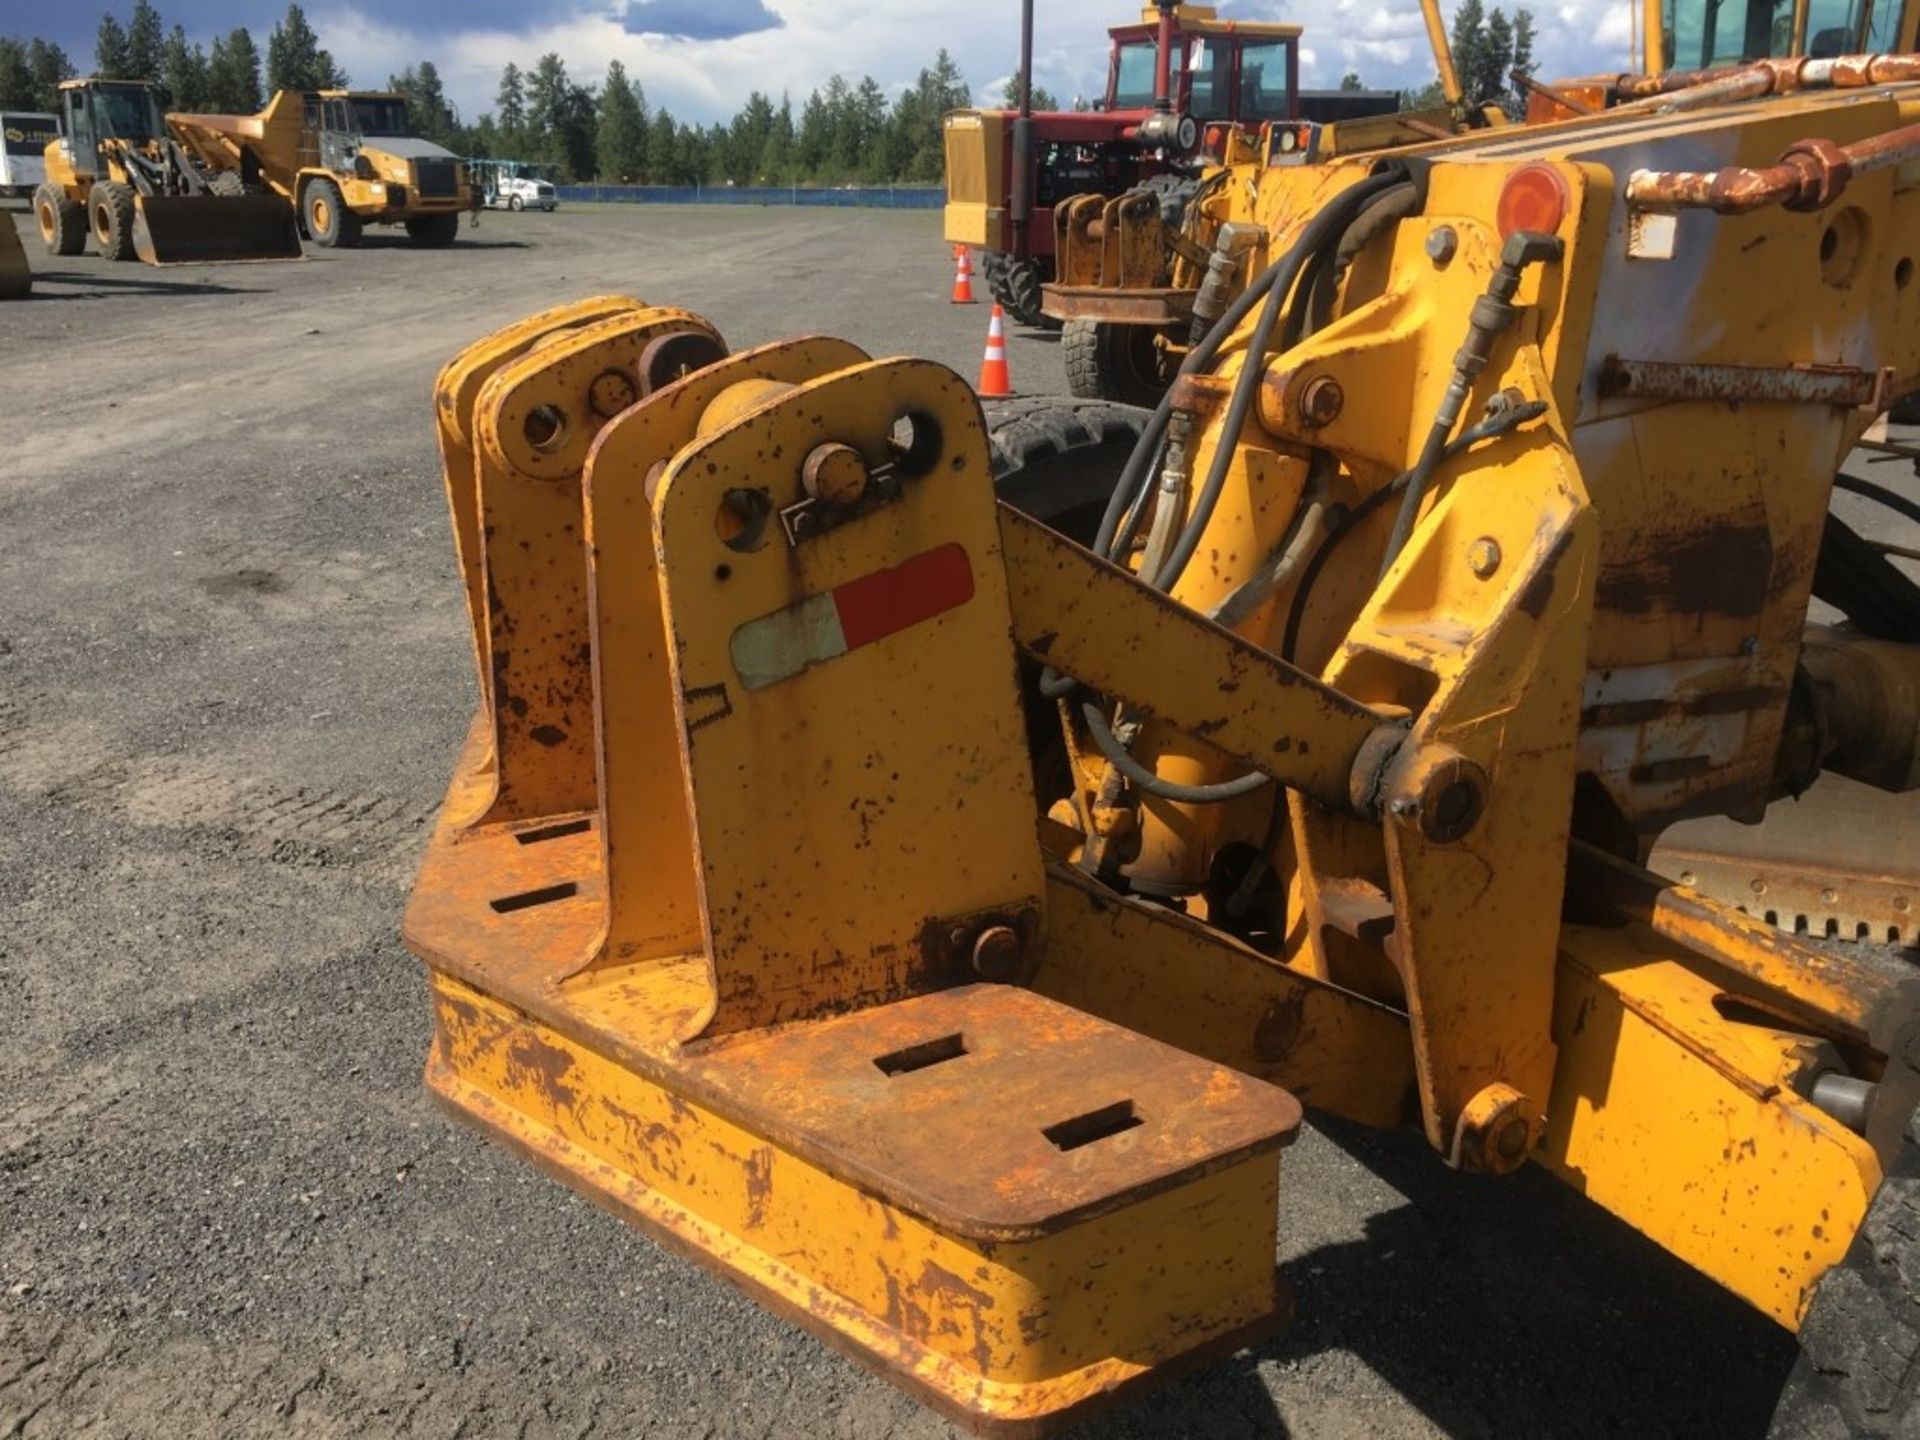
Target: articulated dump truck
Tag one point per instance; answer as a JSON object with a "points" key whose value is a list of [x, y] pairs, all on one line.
{"points": [[922, 866], [343, 160]]}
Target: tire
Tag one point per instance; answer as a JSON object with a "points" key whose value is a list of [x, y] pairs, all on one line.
{"points": [[1022, 282], [228, 183], [62, 222], [110, 218], [514, 202], [1115, 362], [1058, 460], [329, 223], [434, 232], [1906, 410], [1173, 192]]}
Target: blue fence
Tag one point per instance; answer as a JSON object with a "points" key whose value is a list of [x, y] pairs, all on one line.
{"points": [[884, 197]]}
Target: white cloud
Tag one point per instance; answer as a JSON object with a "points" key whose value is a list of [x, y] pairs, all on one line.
{"points": [[892, 39]]}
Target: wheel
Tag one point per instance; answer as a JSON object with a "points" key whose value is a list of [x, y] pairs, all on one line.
{"points": [[434, 231], [1021, 282], [329, 222], [1115, 362], [1906, 410], [110, 215], [1859, 1368], [514, 202], [1058, 460], [63, 223], [228, 182], [1173, 192]]}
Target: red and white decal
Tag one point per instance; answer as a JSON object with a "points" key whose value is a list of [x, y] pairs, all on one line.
{"points": [[827, 626]]}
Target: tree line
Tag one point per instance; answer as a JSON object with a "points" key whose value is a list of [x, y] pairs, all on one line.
{"points": [[841, 133], [227, 76]]}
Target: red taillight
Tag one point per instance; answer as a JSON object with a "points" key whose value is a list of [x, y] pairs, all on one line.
{"points": [[1534, 198]]}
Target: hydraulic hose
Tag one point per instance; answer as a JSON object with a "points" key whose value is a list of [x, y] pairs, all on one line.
{"points": [[1493, 312], [1508, 419], [1270, 291]]}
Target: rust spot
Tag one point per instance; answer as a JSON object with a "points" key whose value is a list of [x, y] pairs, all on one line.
{"points": [[1711, 571], [759, 1175]]}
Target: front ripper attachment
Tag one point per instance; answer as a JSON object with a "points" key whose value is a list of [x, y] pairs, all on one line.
{"points": [[209, 229], [763, 997]]}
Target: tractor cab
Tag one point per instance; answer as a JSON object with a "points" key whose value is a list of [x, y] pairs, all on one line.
{"points": [[1705, 34], [93, 111], [1220, 73], [341, 123]]}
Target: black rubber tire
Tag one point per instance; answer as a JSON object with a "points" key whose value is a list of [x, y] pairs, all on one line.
{"points": [[1023, 279], [1865, 586], [434, 232], [1906, 410], [514, 202], [62, 222], [227, 183], [1173, 192], [110, 219], [1058, 460], [1859, 1367], [323, 211], [1115, 362]]}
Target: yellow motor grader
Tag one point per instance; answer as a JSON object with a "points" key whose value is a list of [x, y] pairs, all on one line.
{"points": [[119, 175], [922, 868], [343, 159]]}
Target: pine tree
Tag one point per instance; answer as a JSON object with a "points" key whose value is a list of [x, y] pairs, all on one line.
{"points": [[295, 60], [112, 57], [620, 129], [429, 114], [183, 69], [512, 104], [1351, 81], [560, 118], [1010, 95], [662, 150], [50, 65], [233, 74], [16, 77], [145, 39], [777, 155], [815, 138]]}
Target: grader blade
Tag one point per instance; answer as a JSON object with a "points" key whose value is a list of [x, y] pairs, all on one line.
{"points": [[1840, 862], [203, 229]]}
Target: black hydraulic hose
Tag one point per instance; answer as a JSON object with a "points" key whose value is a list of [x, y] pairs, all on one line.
{"points": [[1492, 313], [1273, 288], [1891, 499], [1509, 419], [1138, 472], [1153, 784], [1321, 232]]}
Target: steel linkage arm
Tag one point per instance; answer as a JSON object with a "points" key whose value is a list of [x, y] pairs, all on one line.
{"points": [[1101, 625]]}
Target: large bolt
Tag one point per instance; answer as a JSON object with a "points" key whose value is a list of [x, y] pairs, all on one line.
{"points": [[1494, 1131], [1321, 401], [1483, 556], [834, 474], [996, 954], [1441, 244]]}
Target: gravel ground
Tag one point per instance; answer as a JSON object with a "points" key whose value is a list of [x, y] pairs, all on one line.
{"points": [[233, 674]]}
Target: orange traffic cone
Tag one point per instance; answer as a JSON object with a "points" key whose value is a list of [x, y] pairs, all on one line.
{"points": [[994, 379], [962, 277]]}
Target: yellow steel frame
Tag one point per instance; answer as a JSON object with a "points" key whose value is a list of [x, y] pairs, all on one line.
{"points": [[735, 843]]}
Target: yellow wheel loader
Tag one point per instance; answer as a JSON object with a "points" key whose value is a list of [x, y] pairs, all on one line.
{"points": [[119, 176], [922, 865], [344, 160]]}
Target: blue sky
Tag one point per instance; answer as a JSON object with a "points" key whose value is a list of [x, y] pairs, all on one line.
{"points": [[701, 57]]}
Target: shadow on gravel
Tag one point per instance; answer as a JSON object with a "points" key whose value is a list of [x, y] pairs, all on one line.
{"points": [[1597, 1332], [140, 285]]}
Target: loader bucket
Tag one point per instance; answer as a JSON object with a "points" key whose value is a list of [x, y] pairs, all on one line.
{"points": [[16, 280], [193, 229]]}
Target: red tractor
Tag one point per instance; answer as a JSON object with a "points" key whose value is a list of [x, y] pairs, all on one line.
{"points": [[1175, 83]]}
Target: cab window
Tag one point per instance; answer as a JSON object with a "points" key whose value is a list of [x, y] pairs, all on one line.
{"points": [[1210, 74], [1133, 76], [1264, 94]]}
